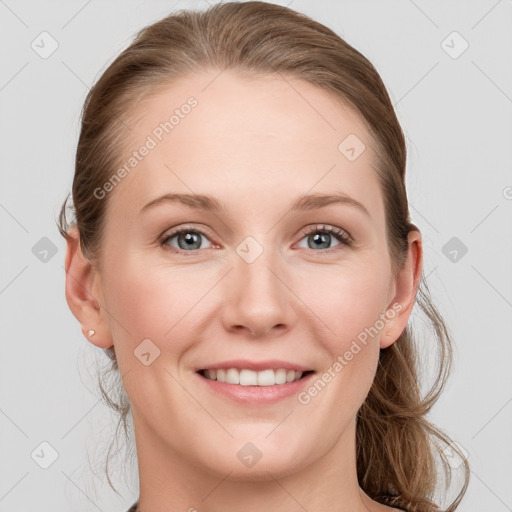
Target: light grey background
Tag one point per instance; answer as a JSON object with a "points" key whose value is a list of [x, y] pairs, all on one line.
{"points": [[456, 114]]}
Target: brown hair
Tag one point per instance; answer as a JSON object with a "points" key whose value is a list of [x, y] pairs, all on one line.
{"points": [[396, 448]]}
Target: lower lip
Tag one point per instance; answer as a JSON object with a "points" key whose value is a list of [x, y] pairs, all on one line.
{"points": [[257, 394]]}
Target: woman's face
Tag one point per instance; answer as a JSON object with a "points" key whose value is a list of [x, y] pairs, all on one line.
{"points": [[252, 284]]}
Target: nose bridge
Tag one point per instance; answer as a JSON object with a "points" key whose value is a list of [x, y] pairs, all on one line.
{"points": [[258, 299]]}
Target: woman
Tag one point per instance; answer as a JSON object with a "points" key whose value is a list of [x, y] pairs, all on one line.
{"points": [[243, 251]]}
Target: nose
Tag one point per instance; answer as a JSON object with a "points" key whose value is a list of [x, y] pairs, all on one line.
{"points": [[258, 297]]}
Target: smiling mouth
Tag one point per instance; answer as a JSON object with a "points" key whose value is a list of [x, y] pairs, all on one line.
{"points": [[245, 377]]}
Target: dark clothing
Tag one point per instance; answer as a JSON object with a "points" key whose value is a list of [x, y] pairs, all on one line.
{"points": [[134, 506]]}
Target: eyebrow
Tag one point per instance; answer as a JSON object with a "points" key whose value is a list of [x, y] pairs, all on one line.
{"points": [[304, 202]]}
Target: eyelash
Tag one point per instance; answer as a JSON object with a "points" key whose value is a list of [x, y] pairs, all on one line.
{"points": [[342, 236]]}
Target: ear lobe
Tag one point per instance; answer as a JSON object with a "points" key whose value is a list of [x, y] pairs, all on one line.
{"points": [[406, 284], [81, 281]]}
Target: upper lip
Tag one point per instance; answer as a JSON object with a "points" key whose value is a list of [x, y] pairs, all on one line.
{"points": [[255, 365]]}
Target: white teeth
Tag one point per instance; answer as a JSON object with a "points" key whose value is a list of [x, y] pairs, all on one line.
{"points": [[247, 377], [232, 376], [280, 376], [266, 378], [251, 378]]}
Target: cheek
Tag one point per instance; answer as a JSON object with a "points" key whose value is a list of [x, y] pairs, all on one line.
{"points": [[345, 300], [152, 302], [155, 303], [161, 301]]}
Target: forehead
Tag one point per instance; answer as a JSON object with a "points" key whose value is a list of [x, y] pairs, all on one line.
{"points": [[246, 136]]}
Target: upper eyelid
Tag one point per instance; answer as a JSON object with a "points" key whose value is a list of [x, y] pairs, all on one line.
{"points": [[176, 231], [326, 227]]}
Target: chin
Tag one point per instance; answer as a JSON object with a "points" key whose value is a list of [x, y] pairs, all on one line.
{"points": [[257, 460]]}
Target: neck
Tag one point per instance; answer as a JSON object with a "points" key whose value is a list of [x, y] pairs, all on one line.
{"points": [[169, 481]]}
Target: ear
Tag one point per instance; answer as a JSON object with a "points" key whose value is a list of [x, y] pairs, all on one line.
{"points": [[83, 293], [406, 286]]}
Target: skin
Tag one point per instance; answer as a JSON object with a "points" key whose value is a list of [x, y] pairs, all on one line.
{"points": [[256, 144]]}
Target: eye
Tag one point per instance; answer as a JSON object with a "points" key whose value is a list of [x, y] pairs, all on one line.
{"points": [[320, 237], [188, 240]]}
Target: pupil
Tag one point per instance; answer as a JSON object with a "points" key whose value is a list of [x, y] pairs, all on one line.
{"points": [[321, 237], [190, 239]]}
